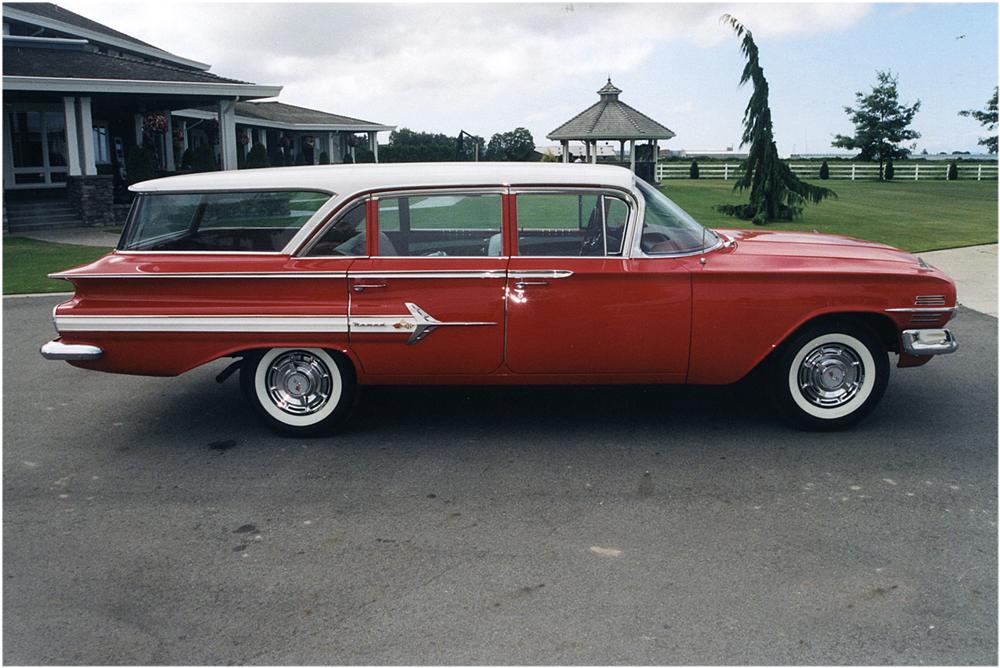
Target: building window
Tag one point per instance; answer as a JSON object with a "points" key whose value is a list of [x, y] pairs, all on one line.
{"points": [[102, 145]]}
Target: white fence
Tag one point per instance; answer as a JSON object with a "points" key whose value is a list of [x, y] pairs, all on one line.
{"points": [[853, 171]]}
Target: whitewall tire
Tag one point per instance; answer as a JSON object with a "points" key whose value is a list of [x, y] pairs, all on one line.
{"points": [[299, 391], [830, 375]]}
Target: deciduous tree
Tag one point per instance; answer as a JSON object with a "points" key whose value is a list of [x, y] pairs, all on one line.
{"points": [[881, 123], [988, 119]]}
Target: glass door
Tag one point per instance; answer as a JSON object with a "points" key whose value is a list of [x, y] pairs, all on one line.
{"points": [[37, 145]]}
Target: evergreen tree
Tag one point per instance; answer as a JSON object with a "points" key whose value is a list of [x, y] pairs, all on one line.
{"points": [[881, 123], [953, 171], [824, 171], [694, 172], [890, 171], [775, 192], [988, 119]]}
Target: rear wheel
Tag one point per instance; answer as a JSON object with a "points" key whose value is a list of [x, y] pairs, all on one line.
{"points": [[299, 391], [829, 376]]}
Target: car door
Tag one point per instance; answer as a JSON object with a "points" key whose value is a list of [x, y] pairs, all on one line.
{"points": [[577, 304], [429, 300]]}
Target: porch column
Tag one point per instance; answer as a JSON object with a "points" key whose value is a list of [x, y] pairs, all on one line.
{"points": [[586, 144], [565, 150], [595, 152], [373, 143], [72, 138], [168, 149], [86, 130], [316, 149], [184, 137], [631, 155], [621, 154], [262, 137], [227, 133], [138, 129], [656, 159]]}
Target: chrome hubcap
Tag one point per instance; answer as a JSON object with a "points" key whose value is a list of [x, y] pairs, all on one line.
{"points": [[831, 375], [299, 382]]}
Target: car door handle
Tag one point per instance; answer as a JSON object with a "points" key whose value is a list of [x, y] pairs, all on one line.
{"points": [[361, 287], [520, 285]]}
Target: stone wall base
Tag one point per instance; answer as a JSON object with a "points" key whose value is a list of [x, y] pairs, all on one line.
{"points": [[93, 198]]}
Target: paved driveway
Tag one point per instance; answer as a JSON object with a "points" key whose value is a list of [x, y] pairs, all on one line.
{"points": [[152, 520]]}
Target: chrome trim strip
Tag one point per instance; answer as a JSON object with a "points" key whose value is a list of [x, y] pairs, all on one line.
{"points": [[57, 350], [209, 274], [542, 273], [912, 344], [189, 323], [447, 273], [927, 309]]}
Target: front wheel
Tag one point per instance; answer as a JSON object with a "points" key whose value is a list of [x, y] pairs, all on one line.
{"points": [[299, 391], [829, 376]]}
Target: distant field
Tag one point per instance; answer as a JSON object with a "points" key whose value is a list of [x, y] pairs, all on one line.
{"points": [[920, 216]]}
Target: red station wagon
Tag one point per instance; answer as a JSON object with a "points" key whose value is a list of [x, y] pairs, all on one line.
{"points": [[320, 279]]}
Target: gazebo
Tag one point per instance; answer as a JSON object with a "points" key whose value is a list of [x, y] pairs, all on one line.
{"points": [[611, 119]]}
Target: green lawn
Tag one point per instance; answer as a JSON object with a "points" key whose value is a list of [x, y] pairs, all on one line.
{"points": [[915, 216], [27, 261]]}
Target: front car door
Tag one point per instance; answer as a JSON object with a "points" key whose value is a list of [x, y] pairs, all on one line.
{"points": [[429, 299], [578, 304]]}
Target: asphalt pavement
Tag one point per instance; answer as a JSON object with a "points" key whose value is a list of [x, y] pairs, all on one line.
{"points": [[154, 520]]}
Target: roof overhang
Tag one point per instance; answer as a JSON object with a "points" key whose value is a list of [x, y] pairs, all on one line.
{"points": [[76, 85], [299, 127], [12, 12], [602, 137]]}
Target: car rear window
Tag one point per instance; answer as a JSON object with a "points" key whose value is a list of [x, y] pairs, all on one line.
{"points": [[249, 222]]}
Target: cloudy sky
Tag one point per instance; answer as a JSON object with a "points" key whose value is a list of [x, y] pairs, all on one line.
{"points": [[486, 68]]}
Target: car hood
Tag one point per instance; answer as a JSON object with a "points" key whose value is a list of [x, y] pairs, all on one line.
{"points": [[812, 245]]}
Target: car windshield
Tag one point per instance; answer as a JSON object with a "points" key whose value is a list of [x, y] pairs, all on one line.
{"points": [[667, 228]]}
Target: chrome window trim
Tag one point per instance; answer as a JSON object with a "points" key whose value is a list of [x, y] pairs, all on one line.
{"points": [[295, 246], [630, 198], [539, 273], [443, 273]]}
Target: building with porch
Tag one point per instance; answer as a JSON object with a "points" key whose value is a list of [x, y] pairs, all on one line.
{"points": [[610, 119], [80, 97]]}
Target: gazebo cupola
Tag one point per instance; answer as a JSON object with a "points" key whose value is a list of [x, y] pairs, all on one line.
{"points": [[610, 119]]}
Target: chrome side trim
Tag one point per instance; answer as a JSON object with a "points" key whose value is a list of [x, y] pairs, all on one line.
{"points": [[928, 309], [187, 323], [928, 341], [209, 274], [542, 273], [418, 323], [57, 350], [447, 273]]}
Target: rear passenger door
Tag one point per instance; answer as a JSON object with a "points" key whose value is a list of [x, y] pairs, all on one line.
{"points": [[429, 299]]}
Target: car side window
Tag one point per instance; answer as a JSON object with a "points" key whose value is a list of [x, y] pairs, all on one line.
{"points": [[570, 224], [346, 236], [440, 225]]}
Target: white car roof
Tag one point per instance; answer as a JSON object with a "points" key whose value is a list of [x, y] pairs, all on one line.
{"points": [[347, 179]]}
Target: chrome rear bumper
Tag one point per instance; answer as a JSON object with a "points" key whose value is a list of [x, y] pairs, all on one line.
{"points": [[57, 350], [928, 341]]}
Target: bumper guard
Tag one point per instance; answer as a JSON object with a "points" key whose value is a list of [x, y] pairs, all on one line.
{"points": [[928, 341], [57, 350]]}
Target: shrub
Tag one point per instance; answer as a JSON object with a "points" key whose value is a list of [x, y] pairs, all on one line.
{"points": [[186, 159], [953, 171], [257, 157], [824, 171], [693, 172], [890, 171], [139, 164], [203, 159], [324, 158]]}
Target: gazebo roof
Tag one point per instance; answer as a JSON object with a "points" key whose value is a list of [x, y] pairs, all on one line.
{"points": [[610, 118]]}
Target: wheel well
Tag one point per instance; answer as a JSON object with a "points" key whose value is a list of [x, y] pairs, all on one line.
{"points": [[881, 325]]}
